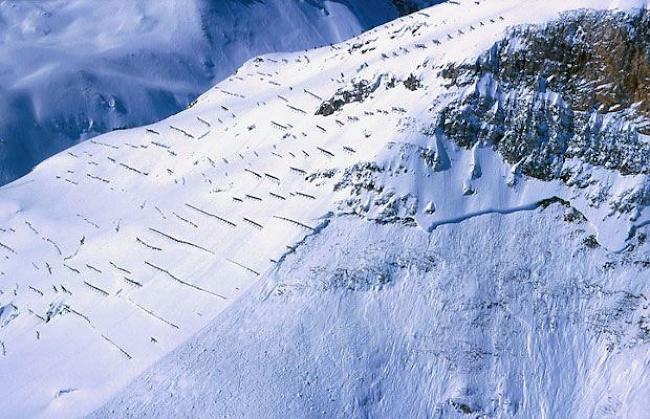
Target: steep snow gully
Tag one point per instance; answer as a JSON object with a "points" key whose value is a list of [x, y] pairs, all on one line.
{"points": [[392, 226]]}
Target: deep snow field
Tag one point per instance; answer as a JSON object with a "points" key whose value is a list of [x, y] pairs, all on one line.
{"points": [[248, 257]]}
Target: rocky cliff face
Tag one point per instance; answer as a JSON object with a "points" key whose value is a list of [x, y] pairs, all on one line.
{"points": [[577, 89]]}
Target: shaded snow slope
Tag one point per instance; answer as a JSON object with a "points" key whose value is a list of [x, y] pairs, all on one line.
{"points": [[121, 248], [73, 69], [496, 316]]}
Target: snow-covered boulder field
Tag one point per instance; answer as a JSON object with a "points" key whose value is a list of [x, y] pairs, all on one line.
{"points": [[436, 218], [73, 69]]}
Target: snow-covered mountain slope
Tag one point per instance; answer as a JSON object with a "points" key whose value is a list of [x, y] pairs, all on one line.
{"points": [[497, 316], [73, 69], [411, 245]]}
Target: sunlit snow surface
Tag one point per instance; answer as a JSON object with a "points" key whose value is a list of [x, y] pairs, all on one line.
{"points": [[72, 69], [118, 250]]}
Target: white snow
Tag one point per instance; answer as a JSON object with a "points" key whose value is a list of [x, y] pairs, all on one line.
{"points": [[120, 249], [497, 315], [73, 69]]}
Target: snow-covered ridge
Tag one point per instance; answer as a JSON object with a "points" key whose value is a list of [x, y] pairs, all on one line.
{"points": [[73, 69], [121, 248]]}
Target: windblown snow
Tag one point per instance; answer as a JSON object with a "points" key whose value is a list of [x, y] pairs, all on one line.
{"points": [[308, 241]]}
